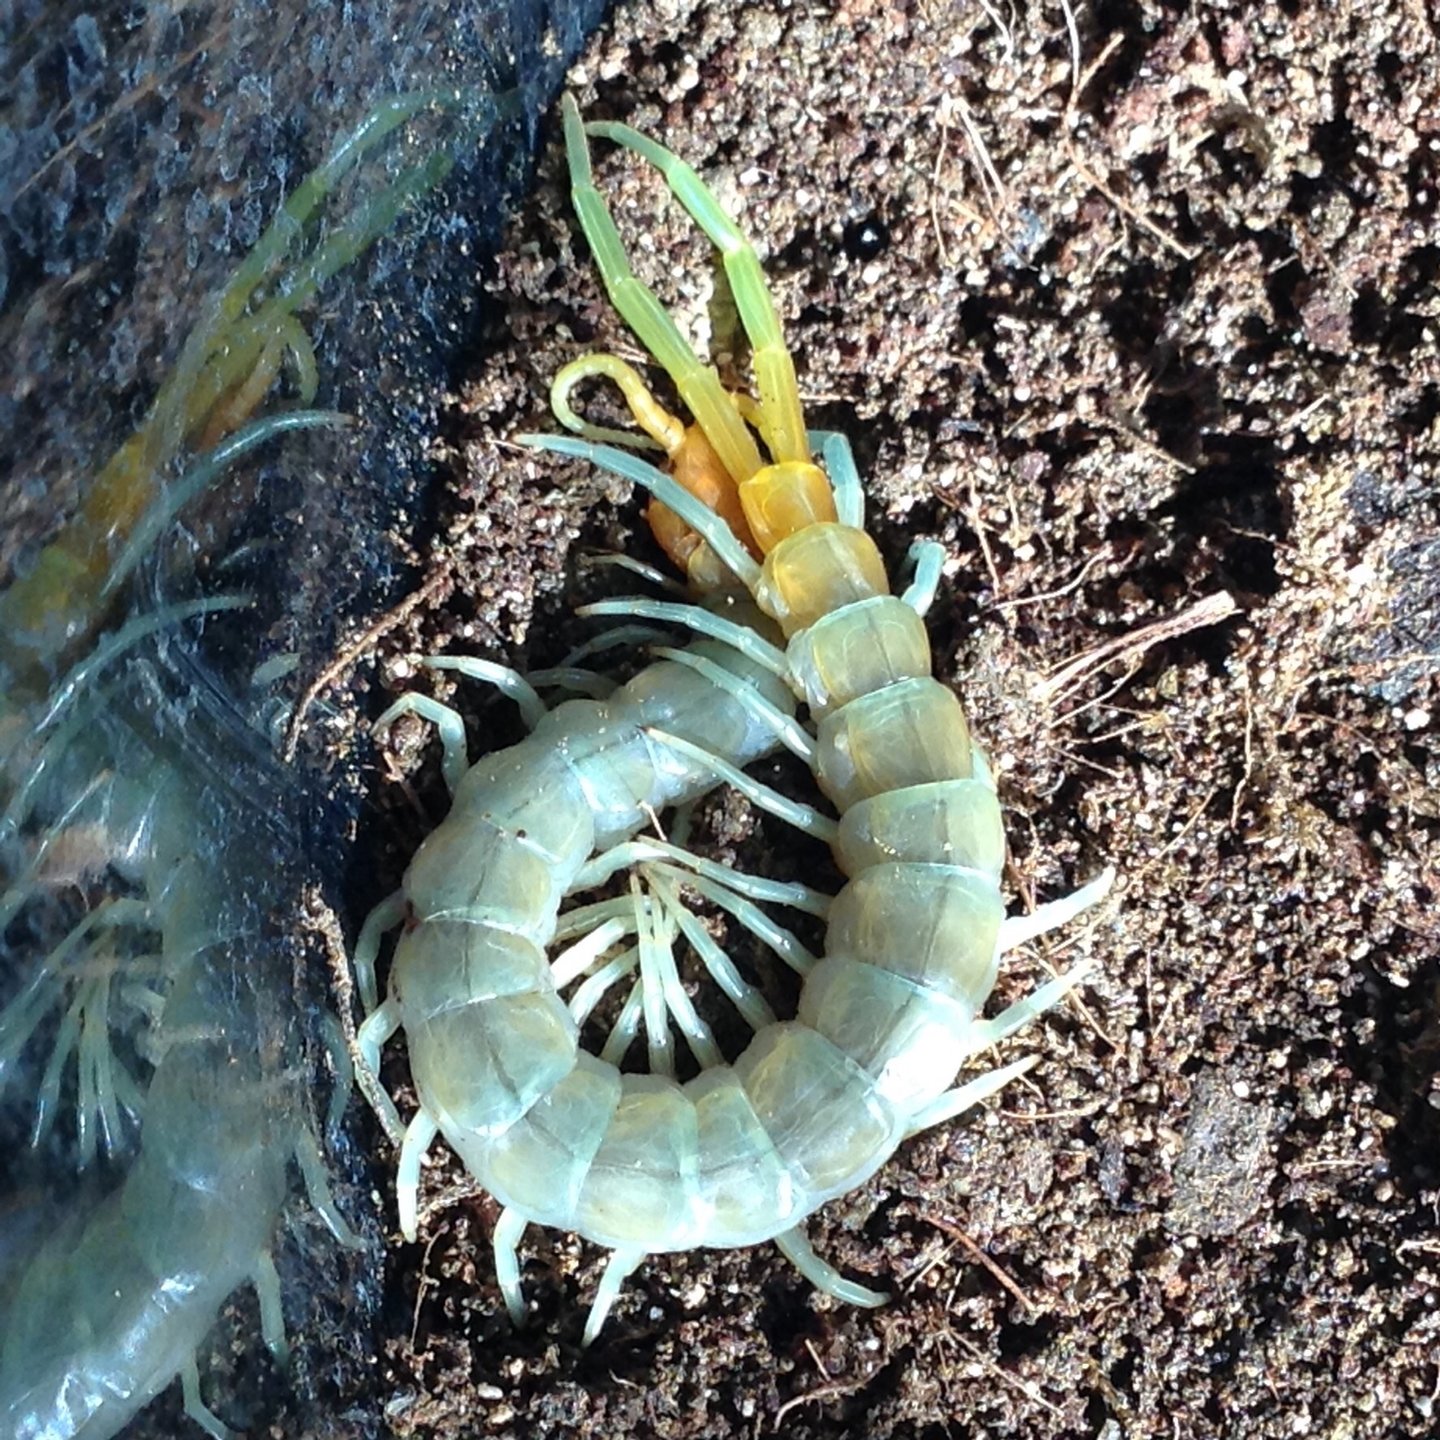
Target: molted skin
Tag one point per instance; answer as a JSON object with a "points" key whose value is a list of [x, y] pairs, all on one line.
{"points": [[193, 1220], [111, 1303]]}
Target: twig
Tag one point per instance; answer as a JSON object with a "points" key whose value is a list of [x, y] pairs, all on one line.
{"points": [[926, 1264], [977, 520], [1005, 31], [1030, 1392], [1249, 757], [1209, 611], [1073, 31], [446, 1198], [1090, 177], [1059, 594], [935, 185], [1071, 716], [426, 1283], [976, 1253], [324, 922], [1185, 829], [439, 584], [1034, 1117], [990, 182], [1143, 443], [831, 1391], [821, 1392]]}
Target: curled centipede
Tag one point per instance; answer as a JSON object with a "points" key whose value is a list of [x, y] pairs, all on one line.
{"points": [[796, 615]]}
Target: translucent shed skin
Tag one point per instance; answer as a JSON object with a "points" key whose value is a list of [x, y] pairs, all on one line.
{"points": [[112, 1306], [111, 1303], [115, 1297], [814, 1105]]}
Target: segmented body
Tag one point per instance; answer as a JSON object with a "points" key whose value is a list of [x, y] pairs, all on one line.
{"points": [[114, 1304], [183, 1070], [159, 1009], [816, 1103]]}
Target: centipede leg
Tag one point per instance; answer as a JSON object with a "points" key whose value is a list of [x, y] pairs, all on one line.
{"points": [[509, 1229], [781, 419], [576, 680], [591, 991], [510, 683], [636, 852], [795, 1246], [1018, 929], [664, 583], [928, 558], [454, 761], [794, 812], [839, 461], [332, 1039], [659, 1045], [698, 384], [667, 490], [786, 729], [741, 638], [576, 959], [627, 1023], [773, 936], [418, 1135], [985, 1033], [389, 913], [965, 1097], [378, 1027], [698, 1034], [84, 1026], [195, 1407], [635, 636], [272, 1315], [622, 1265], [744, 996], [317, 1190], [48, 1096], [664, 993], [201, 475]]}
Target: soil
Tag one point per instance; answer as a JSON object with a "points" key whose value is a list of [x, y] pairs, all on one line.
{"points": [[1135, 310], [1139, 320]]}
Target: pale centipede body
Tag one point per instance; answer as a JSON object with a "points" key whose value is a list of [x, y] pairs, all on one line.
{"points": [[807, 647]]}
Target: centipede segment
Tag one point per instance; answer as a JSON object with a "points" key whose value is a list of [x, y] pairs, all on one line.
{"points": [[804, 646]]}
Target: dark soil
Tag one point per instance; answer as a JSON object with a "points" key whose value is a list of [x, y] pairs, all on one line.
{"points": [[1140, 321], [1130, 328]]}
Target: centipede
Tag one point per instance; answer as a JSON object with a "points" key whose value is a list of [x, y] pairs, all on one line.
{"points": [[802, 644]]}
